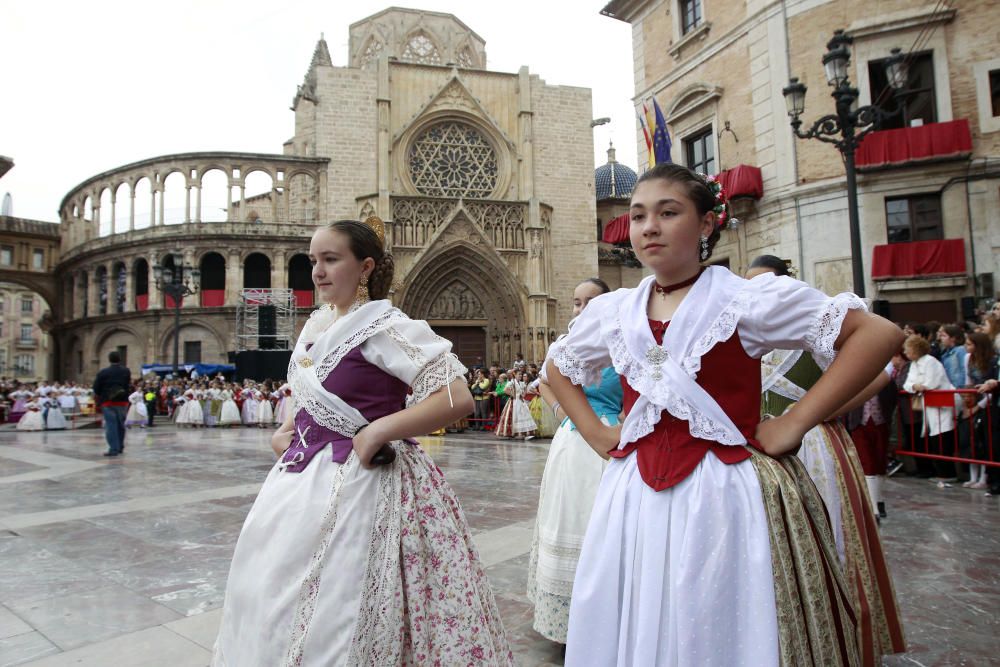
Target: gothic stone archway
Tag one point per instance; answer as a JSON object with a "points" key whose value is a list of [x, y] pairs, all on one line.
{"points": [[472, 300]]}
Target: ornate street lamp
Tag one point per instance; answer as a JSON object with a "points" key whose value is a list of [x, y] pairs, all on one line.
{"points": [[177, 282], [847, 126]]}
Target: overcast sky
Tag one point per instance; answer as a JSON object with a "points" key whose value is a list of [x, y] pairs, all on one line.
{"points": [[90, 86]]}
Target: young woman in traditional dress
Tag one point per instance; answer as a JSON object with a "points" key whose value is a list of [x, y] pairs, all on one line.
{"points": [[707, 545], [230, 414], [265, 412], [545, 421], [31, 419], [515, 419], [829, 454], [248, 412], [341, 562], [570, 481], [136, 415], [55, 420]]}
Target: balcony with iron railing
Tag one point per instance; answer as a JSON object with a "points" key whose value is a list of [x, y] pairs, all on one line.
{"points": [[931, 142], [26, 344]]}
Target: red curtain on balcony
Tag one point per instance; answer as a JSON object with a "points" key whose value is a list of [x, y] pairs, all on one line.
{"points": [[303, 298], [616, 230], [169, 301], [910, 144], [213, 297], [743, 180], [918, 259], [141, 302]]}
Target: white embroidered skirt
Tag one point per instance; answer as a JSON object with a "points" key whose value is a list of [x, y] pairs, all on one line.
{"points": [[230, 413], [339, 565], [677, 577], [569, 485]]}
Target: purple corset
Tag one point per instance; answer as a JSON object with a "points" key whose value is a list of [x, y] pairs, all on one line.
{"points": [[362, 385]]}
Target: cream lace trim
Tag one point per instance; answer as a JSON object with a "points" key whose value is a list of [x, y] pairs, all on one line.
{"points": [[330, 361], [306, 606], [571, 366], [826, 328], [439, 372], [323, 415], [659, 394]]}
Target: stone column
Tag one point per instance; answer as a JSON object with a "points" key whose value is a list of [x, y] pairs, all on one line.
{"points": [[92, 291], [114, 229], [155, 296], [152, 205], [279, 270], [193, 300], [129, 286], [234, 278], [187, 203], [131, 209]]}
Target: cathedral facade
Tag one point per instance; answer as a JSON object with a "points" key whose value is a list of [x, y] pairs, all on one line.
{"points": [[484, 179]]}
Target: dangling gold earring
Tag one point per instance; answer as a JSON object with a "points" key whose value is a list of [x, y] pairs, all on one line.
{"points": [[362, 295]]}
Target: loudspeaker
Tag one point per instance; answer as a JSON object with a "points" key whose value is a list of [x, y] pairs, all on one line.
{"points": [[267, 326], [968, 308], [881, 308], [262, 364]]}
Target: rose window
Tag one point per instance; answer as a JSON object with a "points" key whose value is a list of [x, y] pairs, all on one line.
{"points": [[453, 159]]}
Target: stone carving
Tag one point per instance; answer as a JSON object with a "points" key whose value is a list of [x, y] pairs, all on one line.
{"points": [[457, 302]]}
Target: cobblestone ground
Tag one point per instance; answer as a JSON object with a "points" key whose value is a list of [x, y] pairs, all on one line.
{"points": [[124, 561]]}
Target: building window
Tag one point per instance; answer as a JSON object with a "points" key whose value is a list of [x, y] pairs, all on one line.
{"points": [[700, 151], [24, 364], [38, 259], [26, 330], [371, 52], [913, 218], [453, 159], [27, 304], [995, 91], [690, 15], [123, 353], [3, 361], [6, 255], [919, 105], [192, 352]]}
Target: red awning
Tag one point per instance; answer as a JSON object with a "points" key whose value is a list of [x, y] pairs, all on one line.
{"points": [[616, 231], [743, 180], [213, 297], [141, 302], [303, 298], [918, 259], [915, 144]]}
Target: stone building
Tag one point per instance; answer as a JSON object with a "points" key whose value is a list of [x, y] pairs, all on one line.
{"points": [[614, 183], [29, 250], [485, 179], [927, 180]]}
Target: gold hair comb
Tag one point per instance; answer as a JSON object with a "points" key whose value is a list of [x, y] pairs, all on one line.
{"points": [[376, 225]]}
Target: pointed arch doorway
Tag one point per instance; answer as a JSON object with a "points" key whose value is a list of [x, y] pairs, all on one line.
{"points": [[470, 299]]}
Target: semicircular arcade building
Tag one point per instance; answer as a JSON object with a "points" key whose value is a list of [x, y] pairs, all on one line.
{"points": [[485, 180]]}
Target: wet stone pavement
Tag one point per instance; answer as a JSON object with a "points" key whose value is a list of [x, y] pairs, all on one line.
{"points": [[124, 561]]}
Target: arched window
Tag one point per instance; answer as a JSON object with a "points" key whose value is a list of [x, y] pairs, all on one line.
{"points": [[213, 280], [121, 275], [466, 59], [101, 278], [140, 284], [256, 272], [453, 159], [300, 280], [420, 48], [371, 53]]}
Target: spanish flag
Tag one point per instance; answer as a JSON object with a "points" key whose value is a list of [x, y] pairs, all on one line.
{"points": [[645, 133], [651, 125]]}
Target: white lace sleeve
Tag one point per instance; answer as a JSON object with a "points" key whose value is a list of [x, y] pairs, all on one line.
{"points": [[412, 352], [582, 353], [790, 315]]}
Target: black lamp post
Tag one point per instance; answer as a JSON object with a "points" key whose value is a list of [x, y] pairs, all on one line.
{"points": [[847, 126], [177, 282]]}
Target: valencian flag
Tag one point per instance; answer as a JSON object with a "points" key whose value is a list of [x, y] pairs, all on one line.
{"points": [[646, 135], [650, 125], [661, 138]]}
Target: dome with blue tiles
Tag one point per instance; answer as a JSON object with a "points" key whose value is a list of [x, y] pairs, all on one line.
{"points": [[613, 180]]}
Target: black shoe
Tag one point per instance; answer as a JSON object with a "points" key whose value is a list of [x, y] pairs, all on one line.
{"points": [[894, 467], [881, 509], [110, 453]]}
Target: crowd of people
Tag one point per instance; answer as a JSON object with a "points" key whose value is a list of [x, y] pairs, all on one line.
{"points": [[188, 403]]}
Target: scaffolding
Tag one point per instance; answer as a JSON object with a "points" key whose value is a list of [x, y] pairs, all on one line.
{"points": [[265, 319]]}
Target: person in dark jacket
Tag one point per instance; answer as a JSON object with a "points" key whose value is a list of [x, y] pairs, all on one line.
{"points": [[111, 389]]}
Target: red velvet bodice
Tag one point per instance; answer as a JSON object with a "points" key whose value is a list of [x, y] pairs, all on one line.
{"points": [[669, 454]]}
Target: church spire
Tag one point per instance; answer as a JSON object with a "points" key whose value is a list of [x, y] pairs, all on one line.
{"points": [[321, 54], [321, 57]]}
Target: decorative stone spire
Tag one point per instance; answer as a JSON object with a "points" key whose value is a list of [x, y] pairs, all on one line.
{"points": [[320, 58], [611, 161], [611, 152]]}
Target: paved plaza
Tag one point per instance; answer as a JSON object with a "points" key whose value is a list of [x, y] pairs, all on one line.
{"points": [[124, 561]]}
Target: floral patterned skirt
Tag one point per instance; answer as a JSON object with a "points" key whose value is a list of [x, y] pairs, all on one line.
{"points": [[347, 566]]}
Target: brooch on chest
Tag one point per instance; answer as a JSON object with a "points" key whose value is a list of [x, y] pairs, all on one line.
{"points": [[656, 355], [305, 362]]}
